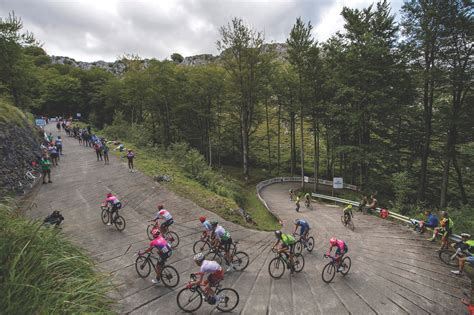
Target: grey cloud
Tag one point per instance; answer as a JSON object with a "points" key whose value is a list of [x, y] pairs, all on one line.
{"points": [[82, 30]]}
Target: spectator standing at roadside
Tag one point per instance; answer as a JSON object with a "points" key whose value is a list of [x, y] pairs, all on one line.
{"points": [[46, 167], [59, 144], [98, 150], [130, 157], [53, 151], [373, 204], [106, 152]]}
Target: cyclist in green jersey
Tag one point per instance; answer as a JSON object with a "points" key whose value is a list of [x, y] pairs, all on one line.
{"points": [[347, 212], [287, 245], [307, 200]]}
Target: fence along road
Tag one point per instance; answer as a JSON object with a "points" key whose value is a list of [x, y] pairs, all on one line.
{"points": [[393, 270]]}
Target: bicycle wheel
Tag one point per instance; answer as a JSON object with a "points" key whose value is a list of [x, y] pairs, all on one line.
{"points": [[343, 221], [329, 271], [445, 256], [201, 247], [36, 173], [299, 247], [119, 223], [298, 261], [172, 238], [346, 265], [169, 276], [310, 244], [351, 226], [148, 231], [105, 216], [276, 267], [229, 299], [143, 266], [240, 261], [189, 300]]}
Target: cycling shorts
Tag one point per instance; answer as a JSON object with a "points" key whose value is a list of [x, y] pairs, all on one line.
{"points": [[291, 247], [226, 244], [446, 232], [303, 229], [215, 277], [166, 223], [164, 256], [340, 253]]}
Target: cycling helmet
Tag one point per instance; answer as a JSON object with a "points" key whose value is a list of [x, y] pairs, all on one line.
{"points": [[214, 223], [109, 195], [333, 241], [444, 214], [297, 221], [278, 233], [465, 235], [199, 257], [160, 206], [202, 219]]}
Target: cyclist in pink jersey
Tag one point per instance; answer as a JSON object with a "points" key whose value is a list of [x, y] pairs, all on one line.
{"points": [[165, 215], [114, 204], [341, 248], [164, 252]]}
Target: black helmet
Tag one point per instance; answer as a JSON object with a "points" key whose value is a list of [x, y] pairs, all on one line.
{"points": [[278, 233]]}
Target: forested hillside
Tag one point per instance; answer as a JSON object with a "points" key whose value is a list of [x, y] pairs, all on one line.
{"points": [[388, 106]]}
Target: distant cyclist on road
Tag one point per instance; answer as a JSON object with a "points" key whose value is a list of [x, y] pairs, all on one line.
{"points": [[164, 252], [297, 203], [286, 246], [347, 212], [166, 216], [115, 205], [304, 228], [341, 249], [215, 275], [307, 200]]}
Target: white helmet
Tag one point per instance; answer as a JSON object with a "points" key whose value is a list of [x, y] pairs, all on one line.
{"points": [[199, 257]]}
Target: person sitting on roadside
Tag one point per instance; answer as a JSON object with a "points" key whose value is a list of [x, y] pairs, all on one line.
{"points": [[445, 229], [363, 202], [206, 225], [221, 237], [431, 221], [304, 228], [287, 246], [166, 216], [114, 204], [54, 218], [341, 249], [215, 275], [466, 246], [164, 252]]}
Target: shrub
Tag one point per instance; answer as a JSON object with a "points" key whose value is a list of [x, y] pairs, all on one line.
{"points": [[401, 187]]}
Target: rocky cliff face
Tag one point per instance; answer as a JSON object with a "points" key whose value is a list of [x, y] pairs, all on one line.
{"points": [[19, 146], [118, 67]]}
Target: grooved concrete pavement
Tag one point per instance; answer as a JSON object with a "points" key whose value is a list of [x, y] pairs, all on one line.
{"points": [[393, 270]]}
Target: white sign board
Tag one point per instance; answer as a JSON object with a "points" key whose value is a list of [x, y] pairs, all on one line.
{"points": [[78, 115], [306, 179], [337, 182]]}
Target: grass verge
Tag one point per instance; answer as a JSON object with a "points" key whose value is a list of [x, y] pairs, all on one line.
{"points": [[42, 273]]}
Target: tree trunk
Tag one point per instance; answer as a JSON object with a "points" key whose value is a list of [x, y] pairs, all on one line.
{"points": [[293, 142], [268, 139], [459, 179], [316, 150], [302, 147], [278, 136]]}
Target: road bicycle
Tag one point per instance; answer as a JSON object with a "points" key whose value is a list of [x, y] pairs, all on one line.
{"points": [[144, 263], [302, 242], [450, 256], [240, 259], [332, 267], [204, 245], [308, 204], [276, 267], [190, 298], [346, 220], [171, 237], [117, 220]]}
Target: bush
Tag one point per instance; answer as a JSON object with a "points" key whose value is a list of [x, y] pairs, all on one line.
{"points": [[42, 273], [401, 187]]}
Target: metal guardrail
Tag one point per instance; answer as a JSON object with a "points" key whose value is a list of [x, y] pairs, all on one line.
{"points": [[394, 215]]}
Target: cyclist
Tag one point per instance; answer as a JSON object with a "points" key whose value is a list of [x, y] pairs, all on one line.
{"points": [[304, 229], [286, 247], [297, 202], [446, 228], [115, 205], [291, 194], [431, 221], [221, 237], [164, 215], [215, 275], [341, 249], [207, 226], [466, 246], [347, 212], [307, 200], [164, 252]]}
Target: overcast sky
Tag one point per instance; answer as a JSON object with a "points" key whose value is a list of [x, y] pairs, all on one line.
{"points": [[90, 30]]}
